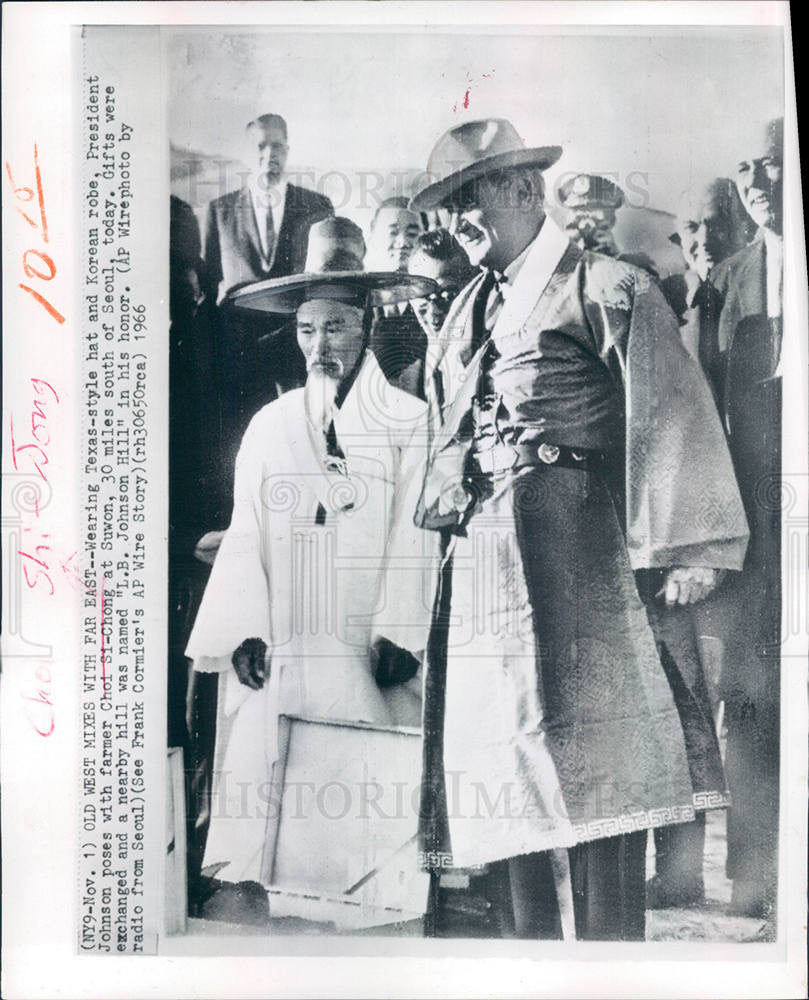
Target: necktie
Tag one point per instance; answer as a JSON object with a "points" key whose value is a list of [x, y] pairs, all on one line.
{"points": [[269, 236], [494, 303]]}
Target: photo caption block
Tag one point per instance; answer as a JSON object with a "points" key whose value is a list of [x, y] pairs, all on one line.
{"points": [[124, 379]]}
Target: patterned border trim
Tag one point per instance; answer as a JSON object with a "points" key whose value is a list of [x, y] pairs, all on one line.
{"points": [[645, 819], [431, 860], [711, 800]]}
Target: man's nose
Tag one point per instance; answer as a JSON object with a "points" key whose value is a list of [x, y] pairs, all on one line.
{"points": [[760, 179], [435, 311], [454, 222], [321, 343]]}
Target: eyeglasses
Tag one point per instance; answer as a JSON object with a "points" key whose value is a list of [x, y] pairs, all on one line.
{"points": [[443, 296]]}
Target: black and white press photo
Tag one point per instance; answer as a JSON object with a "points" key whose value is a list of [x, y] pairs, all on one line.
{"points": [[404, 500]]}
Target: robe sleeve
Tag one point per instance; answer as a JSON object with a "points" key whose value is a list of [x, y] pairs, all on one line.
{"points": [[683, 504], [236, 603], [409, 567]]}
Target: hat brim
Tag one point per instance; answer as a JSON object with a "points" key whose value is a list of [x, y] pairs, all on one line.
{"points": [[433, 195], [285, 295]]}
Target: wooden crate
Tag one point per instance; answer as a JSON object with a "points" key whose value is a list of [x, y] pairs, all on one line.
{"points": [[342, 827]]}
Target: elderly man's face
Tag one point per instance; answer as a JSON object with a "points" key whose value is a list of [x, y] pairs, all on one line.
{"points": [[759, 181], [330, 334], [706, 238], [269, 149], [397, 230], [432, 310]]}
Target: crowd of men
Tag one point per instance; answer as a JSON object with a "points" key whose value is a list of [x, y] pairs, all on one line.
{"points": [[505, 401]]}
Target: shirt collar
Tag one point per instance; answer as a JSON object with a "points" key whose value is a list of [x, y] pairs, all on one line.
{"points": [[513, 269], [774, 244]]}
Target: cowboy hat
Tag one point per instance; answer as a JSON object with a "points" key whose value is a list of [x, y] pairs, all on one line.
{"points": [[473, 149], [333, 270]]}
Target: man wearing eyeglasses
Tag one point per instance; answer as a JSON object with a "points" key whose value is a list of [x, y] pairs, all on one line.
{"points": [[401, 341]]}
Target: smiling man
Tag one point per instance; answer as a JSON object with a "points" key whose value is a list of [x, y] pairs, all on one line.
{"points": [[555, 724], [747, 613], [394, 230], [320, 594]]}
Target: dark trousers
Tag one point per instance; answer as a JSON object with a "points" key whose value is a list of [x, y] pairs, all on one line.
{"points": [[752, 764], [679, 852], [608, 879]]}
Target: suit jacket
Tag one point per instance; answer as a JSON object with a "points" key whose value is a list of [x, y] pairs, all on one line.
{"points": [[747, 609], [745, 342], [233, 247], [697, 305]]}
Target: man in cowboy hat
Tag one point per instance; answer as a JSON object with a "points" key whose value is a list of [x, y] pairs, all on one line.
{"points": [[319, 597], [579, 442]]}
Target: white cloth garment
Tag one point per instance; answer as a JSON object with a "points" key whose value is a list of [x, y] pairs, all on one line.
{"points": [[315, 563]]}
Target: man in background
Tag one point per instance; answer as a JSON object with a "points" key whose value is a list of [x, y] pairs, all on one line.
{"points": [[259, 231], [401, 342], [590, 202], [747, 610], [710, 226], [709, 229], [394, 230]]}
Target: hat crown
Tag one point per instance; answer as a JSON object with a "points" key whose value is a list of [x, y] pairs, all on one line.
{"points": [[334, 244], [473, 141], [583, 190]]}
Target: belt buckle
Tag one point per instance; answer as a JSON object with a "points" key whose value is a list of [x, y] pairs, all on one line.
{"points": [[548, 453]]}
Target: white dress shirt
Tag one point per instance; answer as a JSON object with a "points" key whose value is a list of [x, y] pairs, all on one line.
{"points": [[273, 198]]}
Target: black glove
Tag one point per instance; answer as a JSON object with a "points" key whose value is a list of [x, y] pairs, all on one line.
{"points": [[249, 662], [391, 664]]}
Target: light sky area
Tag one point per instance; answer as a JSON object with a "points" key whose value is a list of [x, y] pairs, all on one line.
{"points": [[672, 107]]}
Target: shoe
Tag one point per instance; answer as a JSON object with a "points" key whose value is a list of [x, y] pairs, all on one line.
{"points": [[662, 895]]}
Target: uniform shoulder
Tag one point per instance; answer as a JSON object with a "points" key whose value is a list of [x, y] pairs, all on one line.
{"points": [[612, 282]]}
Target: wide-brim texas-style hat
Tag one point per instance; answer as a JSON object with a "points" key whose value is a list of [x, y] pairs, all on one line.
{"points": [[473, 149], [333, 270]]}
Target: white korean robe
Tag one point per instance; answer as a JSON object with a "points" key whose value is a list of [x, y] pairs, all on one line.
{"points": [[316, 593]]}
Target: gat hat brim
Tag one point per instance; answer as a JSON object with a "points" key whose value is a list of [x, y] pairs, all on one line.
{"points": [[433, 195], [285, 295]]}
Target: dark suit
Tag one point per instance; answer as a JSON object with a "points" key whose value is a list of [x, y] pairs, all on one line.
{"points": [[257, 356], [748, 608], [233, 247], [400, 345]]}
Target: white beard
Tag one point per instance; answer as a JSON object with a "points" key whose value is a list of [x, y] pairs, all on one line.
{"points": [[319, 394]]}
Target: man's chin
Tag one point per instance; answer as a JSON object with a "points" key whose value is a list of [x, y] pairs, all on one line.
{"points": [[477, 253]]}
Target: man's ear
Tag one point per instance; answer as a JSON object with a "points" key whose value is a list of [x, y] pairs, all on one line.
{"points": [[521, 190]]}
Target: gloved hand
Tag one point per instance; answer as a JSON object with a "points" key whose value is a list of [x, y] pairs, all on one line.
{"points": [[689, 584], [390, 663], [251, 664]]}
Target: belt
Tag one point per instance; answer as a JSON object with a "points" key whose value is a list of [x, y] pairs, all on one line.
{"points": [[502, 457]]}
